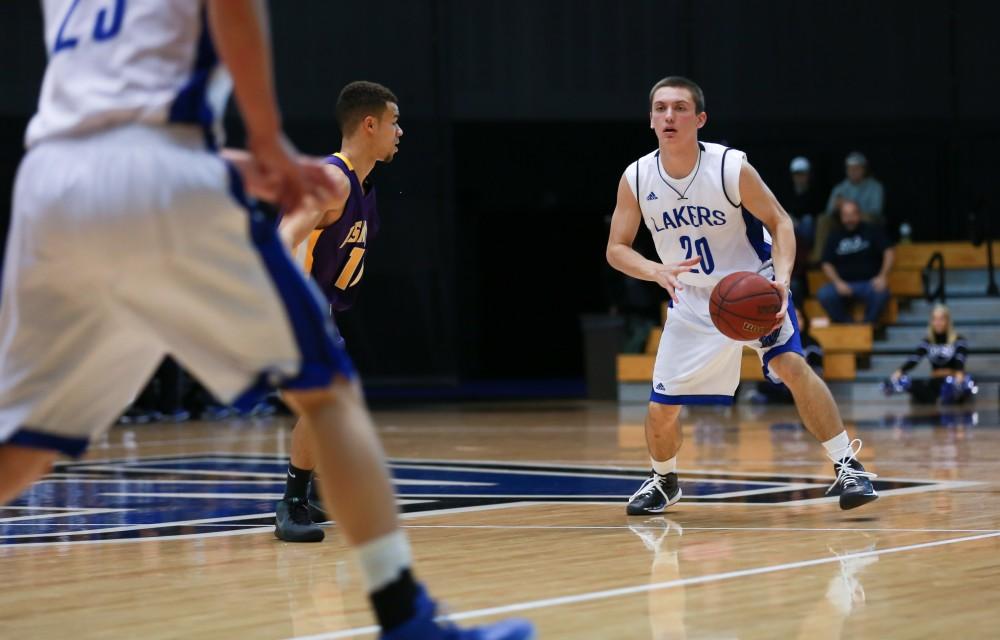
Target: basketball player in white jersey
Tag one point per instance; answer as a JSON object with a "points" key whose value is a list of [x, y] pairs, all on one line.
{"points": [[710, 214], [132, 238]]}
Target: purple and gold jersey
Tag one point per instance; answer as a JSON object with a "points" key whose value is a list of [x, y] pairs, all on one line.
{"points": [[335, 255]]}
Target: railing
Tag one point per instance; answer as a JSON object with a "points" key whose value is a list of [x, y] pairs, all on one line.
{"points": [[981, 226], [925, 275]]}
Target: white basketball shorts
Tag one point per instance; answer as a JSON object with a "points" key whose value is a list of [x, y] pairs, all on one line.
{"points": [[130, 244], [696, 364]]}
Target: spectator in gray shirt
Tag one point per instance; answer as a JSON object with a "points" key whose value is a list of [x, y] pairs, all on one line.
{"points": [[866, 191]]}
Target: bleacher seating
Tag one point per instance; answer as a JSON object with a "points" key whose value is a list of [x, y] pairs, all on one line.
{"points": [[815, 311]]}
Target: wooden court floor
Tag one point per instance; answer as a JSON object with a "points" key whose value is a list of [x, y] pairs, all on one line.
{"points": [[163, 531]]}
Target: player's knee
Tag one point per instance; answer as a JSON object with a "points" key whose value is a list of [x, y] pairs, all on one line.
{"points": [[663, 414], [791, 368], [341, 390]]}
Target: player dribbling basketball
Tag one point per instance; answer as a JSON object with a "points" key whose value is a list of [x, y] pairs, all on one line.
{"points": [[710, 214]]}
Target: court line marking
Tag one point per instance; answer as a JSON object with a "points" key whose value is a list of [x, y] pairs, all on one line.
{"points": [[5, 547], [63, 513], [558, 471], [160, 481], [235, 456], [110, 524], [181, 472], [137, 527], [557, 465], [687, 528], [102, 446], [610, 472], [657, 586], [565, 527]]}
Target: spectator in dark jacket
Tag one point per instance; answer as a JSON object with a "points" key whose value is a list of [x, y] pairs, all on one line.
{"points": [[856, 260]]}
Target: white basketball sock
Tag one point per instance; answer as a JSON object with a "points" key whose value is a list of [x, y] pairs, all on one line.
{"points": [[663, 468], [839, 447], [383, 559]]}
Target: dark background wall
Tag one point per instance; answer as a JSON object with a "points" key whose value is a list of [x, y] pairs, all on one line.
{"points": [[519, 116]]}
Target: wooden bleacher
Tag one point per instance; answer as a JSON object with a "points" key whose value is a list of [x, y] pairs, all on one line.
{"points": [[814, 310], [957, 255], [905, 283], [904, 279]]}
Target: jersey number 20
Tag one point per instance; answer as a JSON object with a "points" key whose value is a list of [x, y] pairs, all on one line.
{"points": [[699, 246]]}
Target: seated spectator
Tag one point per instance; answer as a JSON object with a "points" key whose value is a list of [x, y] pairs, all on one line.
{"points": [[856, 259], [804, 203], [858, 186], [946, 351]]}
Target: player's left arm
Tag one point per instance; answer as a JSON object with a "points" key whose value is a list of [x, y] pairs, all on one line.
{"points": [[761, 203], [881, 281]]}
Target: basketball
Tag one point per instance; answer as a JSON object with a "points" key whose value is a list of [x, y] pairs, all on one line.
{"points": [[743, 306]]}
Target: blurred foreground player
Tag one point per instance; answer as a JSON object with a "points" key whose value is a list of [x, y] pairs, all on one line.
{"points": [[131, 238], [707, 208]]}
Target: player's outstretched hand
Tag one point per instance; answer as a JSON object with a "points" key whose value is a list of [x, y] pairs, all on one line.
{"points": [[290, 180], [254, 181], [265, 185], [665, 275], [782, 290]]}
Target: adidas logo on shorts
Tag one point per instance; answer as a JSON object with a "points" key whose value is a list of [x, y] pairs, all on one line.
{"points": [[660, 387], [651, 196]]}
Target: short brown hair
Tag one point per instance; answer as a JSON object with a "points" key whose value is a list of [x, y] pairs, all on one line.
{"points": [[680, 81], [359, 99]]}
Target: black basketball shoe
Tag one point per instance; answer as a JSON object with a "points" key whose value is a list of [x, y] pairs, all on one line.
{"points": [[293, 524], [655, 495], [855, 484]]}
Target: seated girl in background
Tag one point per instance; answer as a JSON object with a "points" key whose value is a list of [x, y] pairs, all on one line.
{"points": [[946, 351]]}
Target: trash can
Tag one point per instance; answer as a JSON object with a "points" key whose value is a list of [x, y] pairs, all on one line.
{"points": [[602, 342]]}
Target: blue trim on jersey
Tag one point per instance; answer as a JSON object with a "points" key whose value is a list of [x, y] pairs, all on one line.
{"points": [[661, 398], [27, 437], [792, 345], [755, 234], [322, 358], [191, 104], [724, 192]]}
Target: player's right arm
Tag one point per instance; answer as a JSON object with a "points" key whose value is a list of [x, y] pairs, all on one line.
{"points": [[295, 228], [240, 34], [624, 225]]}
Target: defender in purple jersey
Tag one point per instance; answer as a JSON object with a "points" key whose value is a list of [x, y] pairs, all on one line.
{"points": [[331, 246]]}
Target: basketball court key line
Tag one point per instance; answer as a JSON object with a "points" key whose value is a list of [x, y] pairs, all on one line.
{"points": [[656, 586]]}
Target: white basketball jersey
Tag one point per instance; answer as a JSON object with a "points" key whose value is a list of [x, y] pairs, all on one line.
{"points": [[700, 215], [114, 62]]}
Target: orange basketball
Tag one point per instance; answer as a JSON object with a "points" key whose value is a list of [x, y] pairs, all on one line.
{"points": [[743, 306]]}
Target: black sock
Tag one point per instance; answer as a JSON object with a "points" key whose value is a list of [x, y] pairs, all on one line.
{"points": [[297, 482], [394, 603]]}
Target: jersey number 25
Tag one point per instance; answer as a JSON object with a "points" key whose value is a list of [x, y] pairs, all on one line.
{"points": [[105, 26]]}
